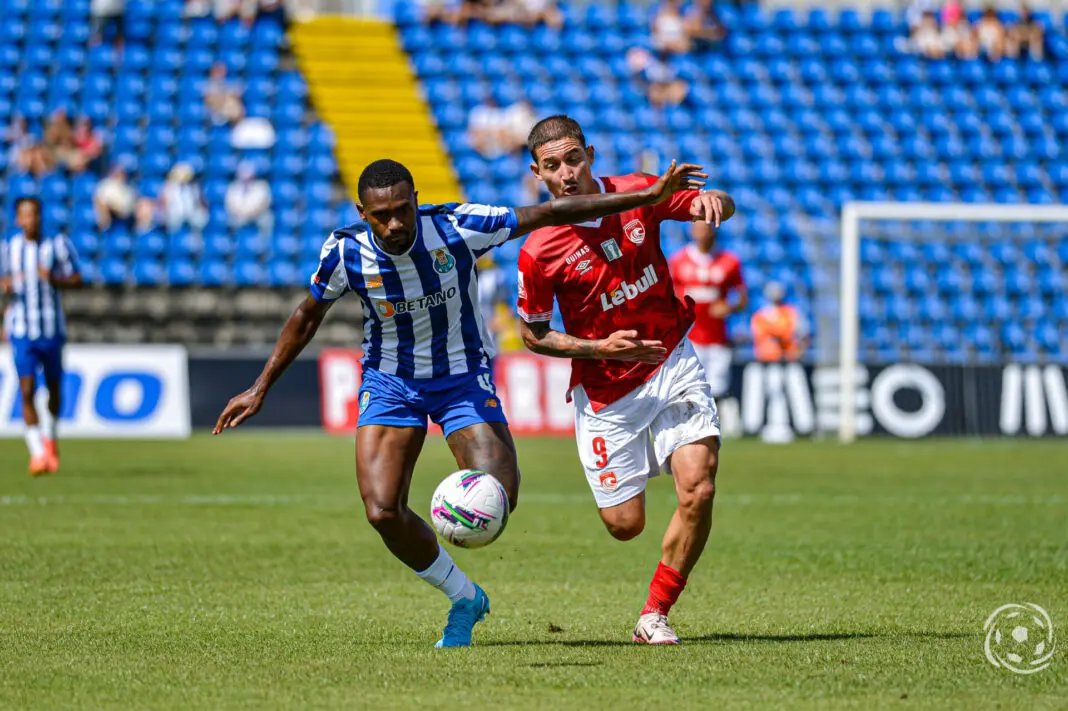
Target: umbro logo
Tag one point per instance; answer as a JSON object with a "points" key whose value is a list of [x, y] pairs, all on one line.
{"points": [[584, 266]]}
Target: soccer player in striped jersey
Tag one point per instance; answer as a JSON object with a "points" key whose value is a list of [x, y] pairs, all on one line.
{"points": [[426, 349], [33, 268]]}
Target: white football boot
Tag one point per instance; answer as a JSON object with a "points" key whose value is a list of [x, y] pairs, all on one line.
{"points": [[653, 628]]}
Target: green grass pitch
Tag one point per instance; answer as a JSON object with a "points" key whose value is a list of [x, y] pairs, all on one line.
{"points": [[239, 572]]}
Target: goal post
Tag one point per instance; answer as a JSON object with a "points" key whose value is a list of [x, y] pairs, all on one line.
{"points": [[853, 214]]}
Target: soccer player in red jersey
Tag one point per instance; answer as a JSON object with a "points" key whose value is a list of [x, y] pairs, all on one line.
{"points": [[642, 401], [710, 277]]}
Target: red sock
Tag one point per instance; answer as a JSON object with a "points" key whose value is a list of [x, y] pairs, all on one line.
{"points": [[665, 589]]}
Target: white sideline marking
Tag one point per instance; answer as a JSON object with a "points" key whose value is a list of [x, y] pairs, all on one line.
{"points": [[268, 500]]}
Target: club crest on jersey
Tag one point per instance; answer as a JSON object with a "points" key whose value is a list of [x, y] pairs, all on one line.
{"points": [[443, 261], [611, 250], [365, 400], [609, 481], [635, 231]]}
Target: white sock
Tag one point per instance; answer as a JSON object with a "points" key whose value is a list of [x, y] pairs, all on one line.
{"points": [[34, 442], [447, 577], [50, 429]]}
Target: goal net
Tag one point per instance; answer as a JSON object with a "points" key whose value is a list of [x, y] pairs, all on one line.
{"points": [[949, 319]]}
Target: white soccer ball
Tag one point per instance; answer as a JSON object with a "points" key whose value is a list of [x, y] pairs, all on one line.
{"points": [[469, 509]]}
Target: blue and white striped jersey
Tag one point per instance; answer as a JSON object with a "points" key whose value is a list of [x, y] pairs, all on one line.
{"points": [[36, 312], [421, 310]]}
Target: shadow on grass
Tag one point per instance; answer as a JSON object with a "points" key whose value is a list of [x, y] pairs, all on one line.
{"points": [[729, 637], [553, 665]]}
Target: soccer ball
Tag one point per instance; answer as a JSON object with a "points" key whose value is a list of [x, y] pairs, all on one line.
{"points": [[469, 509], [1020, 638]]}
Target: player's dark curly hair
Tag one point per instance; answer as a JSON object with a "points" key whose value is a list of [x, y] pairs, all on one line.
{"points": [[384, 173], [553, 128]]}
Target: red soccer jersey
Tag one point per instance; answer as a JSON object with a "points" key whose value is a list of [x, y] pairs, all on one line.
{"points": [[608, 275], [707, 279]]}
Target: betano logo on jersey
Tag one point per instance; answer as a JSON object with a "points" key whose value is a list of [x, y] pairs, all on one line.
{"points": [[626, 291], [388, 309]]}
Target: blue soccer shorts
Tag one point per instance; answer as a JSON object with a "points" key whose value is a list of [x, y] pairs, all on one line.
{"points": [[453, 401], [40, 355]]}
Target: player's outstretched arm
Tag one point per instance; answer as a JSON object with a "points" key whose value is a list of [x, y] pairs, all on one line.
{"points": [[540, 338], [581, 208], [67, 281], [296, 334], [712, 206]]}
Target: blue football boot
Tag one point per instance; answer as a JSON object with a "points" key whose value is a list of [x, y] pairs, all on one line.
{"points": [[463, 616]]}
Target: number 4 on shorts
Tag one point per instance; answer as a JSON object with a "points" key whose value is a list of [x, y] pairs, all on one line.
{"points": [[485, 383]]}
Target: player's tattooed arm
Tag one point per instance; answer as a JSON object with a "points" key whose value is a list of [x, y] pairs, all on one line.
{"points": [[296, 334], [574, 209], [541, 338]]}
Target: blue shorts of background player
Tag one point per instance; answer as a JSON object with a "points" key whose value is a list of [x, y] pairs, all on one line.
{"points": [[453, 402], [32, 357]]}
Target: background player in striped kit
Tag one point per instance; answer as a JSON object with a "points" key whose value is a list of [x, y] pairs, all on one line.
{"points": [[33, 269], [426, 349]]}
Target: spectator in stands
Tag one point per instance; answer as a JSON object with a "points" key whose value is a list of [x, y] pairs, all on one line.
{"points": [[540, 12], [223, 97], [958, 36], [917, 12], [990, 31], [659, 79], [779, 332], [88, 144], [59, 141], [703, 24], [248, 200], [440, 11], [926, 38], [1028, 33], [670, 30], [106, 16], [252, 133], [25, 152], [245, 9], [493, 131], [198, 8], [114, 199], [145, 222], [181, 201], [489, 11]]}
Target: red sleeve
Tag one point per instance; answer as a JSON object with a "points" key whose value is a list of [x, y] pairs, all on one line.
{"points": [[535, 301], [676, 207]]}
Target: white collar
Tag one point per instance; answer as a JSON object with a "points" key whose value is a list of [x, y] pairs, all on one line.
{"points": [[698, 256]]}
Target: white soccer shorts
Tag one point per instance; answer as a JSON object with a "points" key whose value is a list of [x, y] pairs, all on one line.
{"points": [[629, 441], [717, 362]]}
